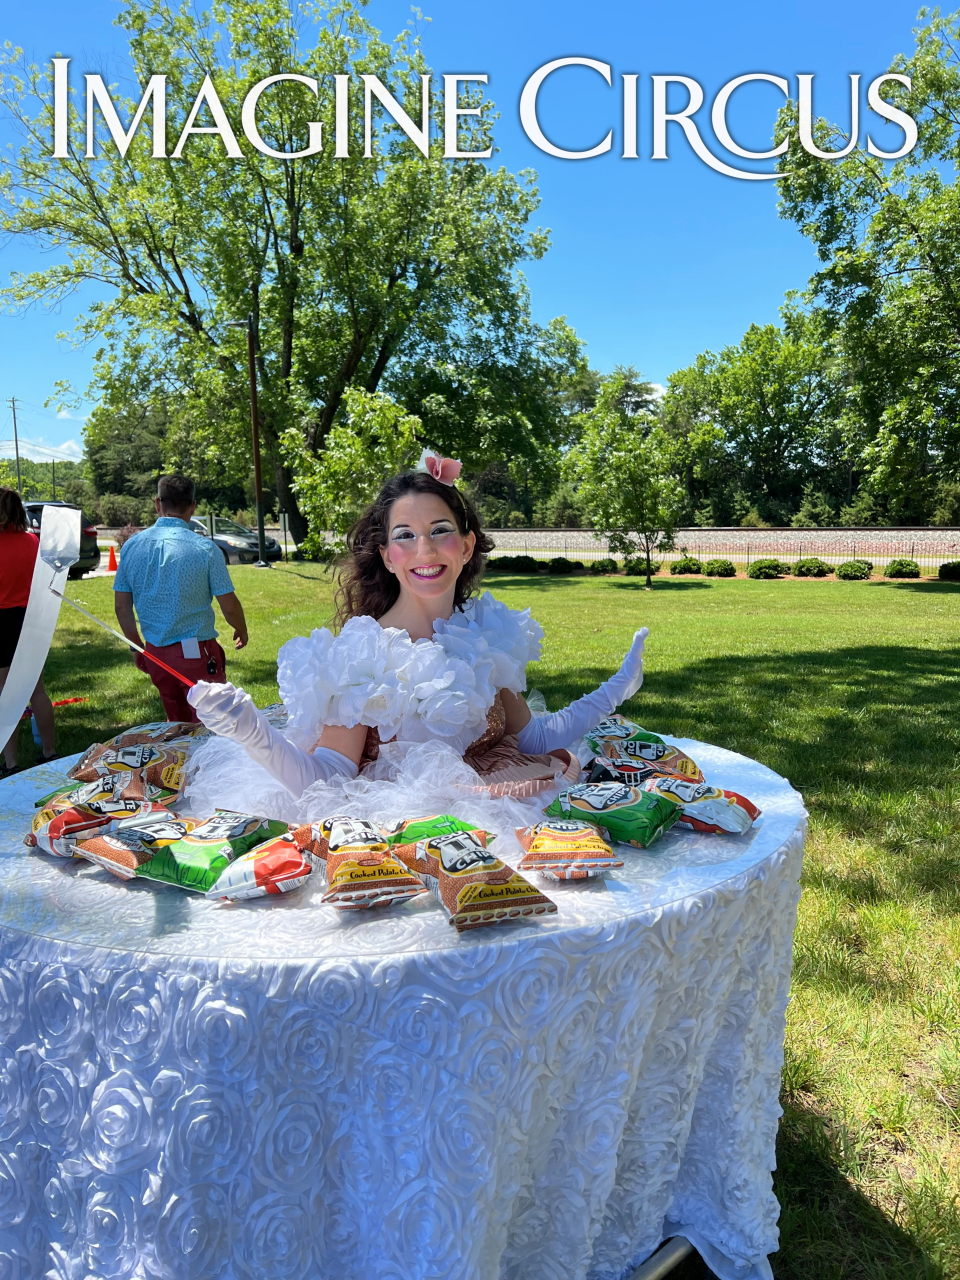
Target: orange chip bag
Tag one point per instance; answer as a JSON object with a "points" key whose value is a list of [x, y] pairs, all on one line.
{"points": [[133, 841], [159, 765], [473, 886], [360, 871], [114, 789], [565, 850], [663, 758], [313, 838]]}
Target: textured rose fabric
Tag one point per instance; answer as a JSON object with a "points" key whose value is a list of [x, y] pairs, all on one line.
{"points": [[189, 1090]]}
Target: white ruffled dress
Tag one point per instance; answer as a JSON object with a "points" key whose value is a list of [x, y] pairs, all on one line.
{"points": [[436, 739]]}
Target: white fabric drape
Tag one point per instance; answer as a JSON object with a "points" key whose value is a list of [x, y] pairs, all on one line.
{"points": [[59, 549], [277, 1090]]}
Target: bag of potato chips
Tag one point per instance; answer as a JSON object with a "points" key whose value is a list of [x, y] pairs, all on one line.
{"points": [[630, 815], [133, 842], [58, 830], [196, 860], [276, 866], [361, 871], [473, 886], [705, 808], [562, 850], [614, 729]]}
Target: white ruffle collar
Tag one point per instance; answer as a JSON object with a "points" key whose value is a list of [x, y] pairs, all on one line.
{"points": [[412, 689]]}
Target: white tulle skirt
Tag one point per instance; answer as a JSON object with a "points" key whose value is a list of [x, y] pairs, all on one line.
{"points": [[406, 781]]}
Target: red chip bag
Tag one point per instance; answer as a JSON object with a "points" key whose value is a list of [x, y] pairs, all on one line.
{"points": [[58, 831], [276, 866], [706, 808]]}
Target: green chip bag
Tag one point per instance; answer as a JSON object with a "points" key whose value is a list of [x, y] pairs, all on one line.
{"points": [[413, 829], [196, 861], [629, 815]]}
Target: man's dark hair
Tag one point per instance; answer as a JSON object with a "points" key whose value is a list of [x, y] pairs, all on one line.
{"points": [[176, 492]]}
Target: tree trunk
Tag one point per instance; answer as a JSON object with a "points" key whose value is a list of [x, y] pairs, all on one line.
{"points": [[296, 521]]}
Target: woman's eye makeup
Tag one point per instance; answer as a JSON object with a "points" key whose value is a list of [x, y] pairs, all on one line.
{"points": [[407, 535]]}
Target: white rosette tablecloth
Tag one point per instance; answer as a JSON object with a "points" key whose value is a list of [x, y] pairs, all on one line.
{"points": [[198, 1091]]}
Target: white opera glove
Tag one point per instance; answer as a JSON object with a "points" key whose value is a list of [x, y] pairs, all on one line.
{"points": [[231, 713], [560, 728]]}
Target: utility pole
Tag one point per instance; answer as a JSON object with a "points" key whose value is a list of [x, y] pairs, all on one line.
{"points": [[262, 562], [16, 443]]}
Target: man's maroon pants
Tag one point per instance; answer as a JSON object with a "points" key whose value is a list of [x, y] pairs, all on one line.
{"points": [[211, 665]]}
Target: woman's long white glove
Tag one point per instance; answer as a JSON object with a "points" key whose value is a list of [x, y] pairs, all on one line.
{"points": [[560, 728], [230, 712]]}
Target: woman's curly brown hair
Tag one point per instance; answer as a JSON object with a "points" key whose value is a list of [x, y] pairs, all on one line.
{"points": [[366, 586]]}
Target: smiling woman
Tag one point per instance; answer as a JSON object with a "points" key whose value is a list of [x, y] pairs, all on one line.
{"points": [[421, 688], [416, 523]]}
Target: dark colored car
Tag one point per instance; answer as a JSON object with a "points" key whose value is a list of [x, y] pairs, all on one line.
{"points": [[89, 551], [236, 541]]}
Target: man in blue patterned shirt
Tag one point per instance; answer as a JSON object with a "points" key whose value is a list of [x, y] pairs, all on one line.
{"points": [[169, 575]]}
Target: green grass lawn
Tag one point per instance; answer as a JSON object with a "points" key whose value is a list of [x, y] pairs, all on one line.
{"points": [[852, 691]]}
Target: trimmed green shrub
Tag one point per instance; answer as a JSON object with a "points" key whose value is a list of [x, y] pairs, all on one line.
{"points": [[638, 568], [720, 568], [854, 570], [902, 567], [527, 564], [812, 567], [604, 565], [559, 564], [686, 564], [578, 566], [514, 564], [500, 564], [768, 568], [949, 571]]}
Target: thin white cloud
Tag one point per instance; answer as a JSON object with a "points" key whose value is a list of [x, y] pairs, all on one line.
{"points": [[65, 415], [41, 451]]}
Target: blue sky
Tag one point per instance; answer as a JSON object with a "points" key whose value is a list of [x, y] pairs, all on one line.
{"points": [[652, 262]]}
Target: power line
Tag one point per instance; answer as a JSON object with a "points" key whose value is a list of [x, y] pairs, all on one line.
{"points": [[61, 455]]}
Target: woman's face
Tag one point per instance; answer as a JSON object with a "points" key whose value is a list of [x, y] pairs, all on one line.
{"points": [[424, 547]]}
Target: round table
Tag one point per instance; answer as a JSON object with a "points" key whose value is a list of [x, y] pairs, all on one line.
{"points": [[202, 1091]]}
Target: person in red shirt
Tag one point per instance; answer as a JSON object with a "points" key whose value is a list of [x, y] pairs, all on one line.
{"points": [[18, 554]]}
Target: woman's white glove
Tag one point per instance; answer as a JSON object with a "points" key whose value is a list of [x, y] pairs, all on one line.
{"points": [[231, 713], [561, 728]]}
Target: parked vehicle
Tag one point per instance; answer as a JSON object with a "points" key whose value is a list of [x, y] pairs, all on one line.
{"points": [[89, 551], [236, 541]]}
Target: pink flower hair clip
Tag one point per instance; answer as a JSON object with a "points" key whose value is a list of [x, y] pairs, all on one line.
{"points": [[443, 469]]}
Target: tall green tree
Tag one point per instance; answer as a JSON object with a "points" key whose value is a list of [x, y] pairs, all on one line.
{"points": [[888, 237], [355, 272], [622, 466], [759, 418]]}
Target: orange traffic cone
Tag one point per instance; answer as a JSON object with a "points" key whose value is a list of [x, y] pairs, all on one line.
{"points": [[112, 562]]}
